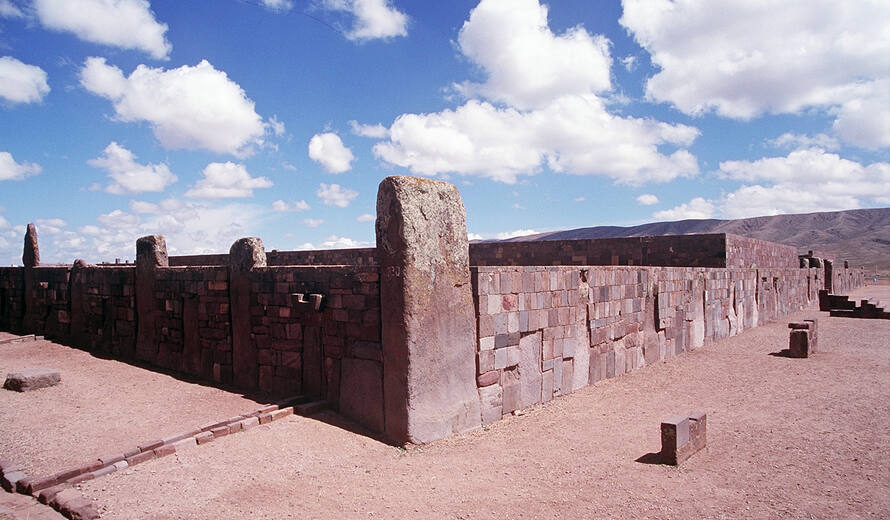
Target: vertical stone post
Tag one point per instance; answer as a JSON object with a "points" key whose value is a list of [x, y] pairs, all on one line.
{"points": [[30, 260], [428, 321], [151, 253], [244, 255]]}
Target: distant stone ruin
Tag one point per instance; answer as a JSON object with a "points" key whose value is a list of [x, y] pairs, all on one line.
{"points": [[424, 335]]}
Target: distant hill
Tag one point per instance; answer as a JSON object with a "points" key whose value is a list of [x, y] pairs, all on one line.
{"points": [[860, 236]]}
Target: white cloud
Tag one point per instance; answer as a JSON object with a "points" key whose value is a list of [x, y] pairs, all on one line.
{"points": [[630, 62], [377, 131], [288, 166], [50, 226], [189, 228], [574, 134], [474, 236], [579, 199], [127, 24], [4, 224], [647, 199], [807, 180], [13, 171], [313, 222], [300, 205], [278, 5], [188, 107], [365, 217], [226, 180], [334, 195], [373, 19], [516, 233], [553, 117], [790, 140], [9, 10], [127, 175], [697, 208], [20, 82], [527, 65], [276, 126], [328, 150], [744, 59]]}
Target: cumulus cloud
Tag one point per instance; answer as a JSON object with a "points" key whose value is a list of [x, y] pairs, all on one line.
{"points": [[335, 242], [328, 150], [515, 233], [372, 19], [13, 171], [807, 180], [574, 134], [192, 227], [278, 5], [20, 82], [9, 10], [126, 24], [750, 58], [226, 180], [313, 222], [275, 125], [697, 208], [377, 131], [790, 140], [127, 175], [188, 107], [300, 205], [647, 199], [365, 217], [527, 65], [553, 115], [474, 236], [334, 195]]}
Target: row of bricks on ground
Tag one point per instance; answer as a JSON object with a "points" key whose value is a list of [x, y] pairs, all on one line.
{"points": [[491, 326], [45, 487]]}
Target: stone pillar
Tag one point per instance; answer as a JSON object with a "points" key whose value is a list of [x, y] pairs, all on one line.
{"points": [[151, 253], [245, 255], [30, 260], [77, 325], [427, 315]]}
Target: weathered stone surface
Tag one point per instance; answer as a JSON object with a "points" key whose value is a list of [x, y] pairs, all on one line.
{"points": [[244, 255], [151, 253], [32, 379], [31, 252], [361, 393], [530, 369], [683, 437], [247, 253], [428, 323]]}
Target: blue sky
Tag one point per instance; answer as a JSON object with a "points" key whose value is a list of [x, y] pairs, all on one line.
{"points": [[209, 121]]}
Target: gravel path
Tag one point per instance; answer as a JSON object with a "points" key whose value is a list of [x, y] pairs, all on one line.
{"points": [[787, 438]]}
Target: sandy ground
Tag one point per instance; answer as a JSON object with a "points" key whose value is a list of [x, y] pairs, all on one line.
{"points": [[101, 407], [787, 438]]}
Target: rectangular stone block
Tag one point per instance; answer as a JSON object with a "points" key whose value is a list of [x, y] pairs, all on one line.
{"points": [[682, 437]]}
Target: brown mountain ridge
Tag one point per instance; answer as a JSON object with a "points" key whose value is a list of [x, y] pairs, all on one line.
{"points": [[860, 236]]}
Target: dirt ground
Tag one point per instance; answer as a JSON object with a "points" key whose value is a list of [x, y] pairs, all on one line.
{"points": [[787, 438]]}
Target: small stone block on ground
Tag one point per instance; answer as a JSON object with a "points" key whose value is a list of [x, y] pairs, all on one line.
{"points": [[682, 437], [34, 378], [310, 408], [803, 339]]}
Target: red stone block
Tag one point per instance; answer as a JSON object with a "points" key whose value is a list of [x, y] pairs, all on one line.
{"points": [[140, 457], [164, 450], [204, 437], [488, 378], [682, 437], [220, 431]]}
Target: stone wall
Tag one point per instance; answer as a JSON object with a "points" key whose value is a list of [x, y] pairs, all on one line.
{"points": [[548, 331], [749, 252], [358, 256]]}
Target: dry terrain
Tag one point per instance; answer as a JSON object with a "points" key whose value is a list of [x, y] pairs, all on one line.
{"points": [[787, 438]]}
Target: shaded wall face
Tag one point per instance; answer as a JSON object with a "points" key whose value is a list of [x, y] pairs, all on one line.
{"points": [[547, 331], [691, 250], [742, 252], [332, 352]]}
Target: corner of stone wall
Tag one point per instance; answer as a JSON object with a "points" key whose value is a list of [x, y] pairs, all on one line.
{"points": [[428, 320]]}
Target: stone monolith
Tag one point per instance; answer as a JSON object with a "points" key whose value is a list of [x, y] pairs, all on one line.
{"points": [[428, 323]]}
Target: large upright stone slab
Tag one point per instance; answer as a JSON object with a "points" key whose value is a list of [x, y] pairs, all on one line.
{"points": [[245, 255], [151, 254], [428, 322], [30, 260]]}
